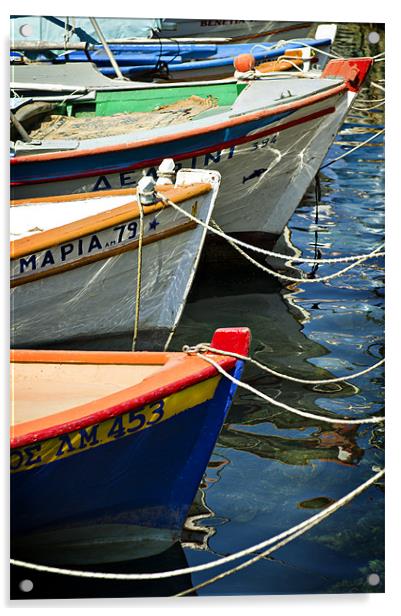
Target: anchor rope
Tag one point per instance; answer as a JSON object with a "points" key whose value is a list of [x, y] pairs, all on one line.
{"points": [[286, 407], [296, 533], [205, 347], [139, 272], [210, 565], [377, 252]]}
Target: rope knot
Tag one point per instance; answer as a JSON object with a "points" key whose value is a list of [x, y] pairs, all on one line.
{"points": [[202, 347]]}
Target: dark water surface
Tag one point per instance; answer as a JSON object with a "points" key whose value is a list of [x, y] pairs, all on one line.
{"points": [[270, 469]]}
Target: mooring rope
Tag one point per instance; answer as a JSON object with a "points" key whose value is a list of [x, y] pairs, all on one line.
{"points": [[139, 272], [360, 145], [300, 278], [296, 532], [286, 407], [377, 252], [369, 101], [377, 85], [369, 108], [205, 347], [210, 565]]}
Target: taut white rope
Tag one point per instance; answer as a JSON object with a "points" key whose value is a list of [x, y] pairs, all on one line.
{"points": [[296, 533], [210, 565], [296, 278], [203, 347], [369, 108], [286, 407], [377, 252], [377, 85], [360, 145]]}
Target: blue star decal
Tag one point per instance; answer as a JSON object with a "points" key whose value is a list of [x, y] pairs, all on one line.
{"points": [[153, 225]]}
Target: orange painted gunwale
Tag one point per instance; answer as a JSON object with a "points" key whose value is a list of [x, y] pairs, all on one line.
{"points": [[179, 371], [98, 222]]}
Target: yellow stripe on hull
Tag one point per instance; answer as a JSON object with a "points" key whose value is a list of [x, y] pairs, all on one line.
{"points": [[121, 426]]}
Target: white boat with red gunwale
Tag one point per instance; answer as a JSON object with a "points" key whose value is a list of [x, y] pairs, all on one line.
{"points": [[267, 138]]}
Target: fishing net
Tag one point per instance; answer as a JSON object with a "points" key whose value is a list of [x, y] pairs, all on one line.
{"points": [[92, 127]]}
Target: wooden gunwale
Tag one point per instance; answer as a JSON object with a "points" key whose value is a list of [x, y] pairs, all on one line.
{"points": [[98, 222], [178, 372]]}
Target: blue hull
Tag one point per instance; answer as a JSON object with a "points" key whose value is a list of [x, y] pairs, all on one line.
{"points": [[146, 480], [126, 159]]}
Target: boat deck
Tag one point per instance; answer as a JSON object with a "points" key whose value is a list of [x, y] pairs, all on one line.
{"points": [[31, 217], [42, 389]]}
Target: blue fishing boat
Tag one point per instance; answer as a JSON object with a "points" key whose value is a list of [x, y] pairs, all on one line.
{"points": [[176, 60], [179, 62], [108, 448]]}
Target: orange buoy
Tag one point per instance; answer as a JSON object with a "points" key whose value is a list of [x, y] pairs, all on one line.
{"points": [[244, 62]]}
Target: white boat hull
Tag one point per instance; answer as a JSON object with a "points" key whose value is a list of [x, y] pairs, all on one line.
{"points": [[98, 300], [262, 180]]}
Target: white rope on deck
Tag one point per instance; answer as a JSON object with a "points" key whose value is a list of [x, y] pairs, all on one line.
{"points": [[300, 42], [377, 252], [288, 59], [286, 407], [296, 532], [306, 524], [205, 347]]}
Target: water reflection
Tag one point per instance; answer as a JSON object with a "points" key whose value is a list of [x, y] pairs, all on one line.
{"points": [[55, 586], [331, 446], [280, 464]]}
